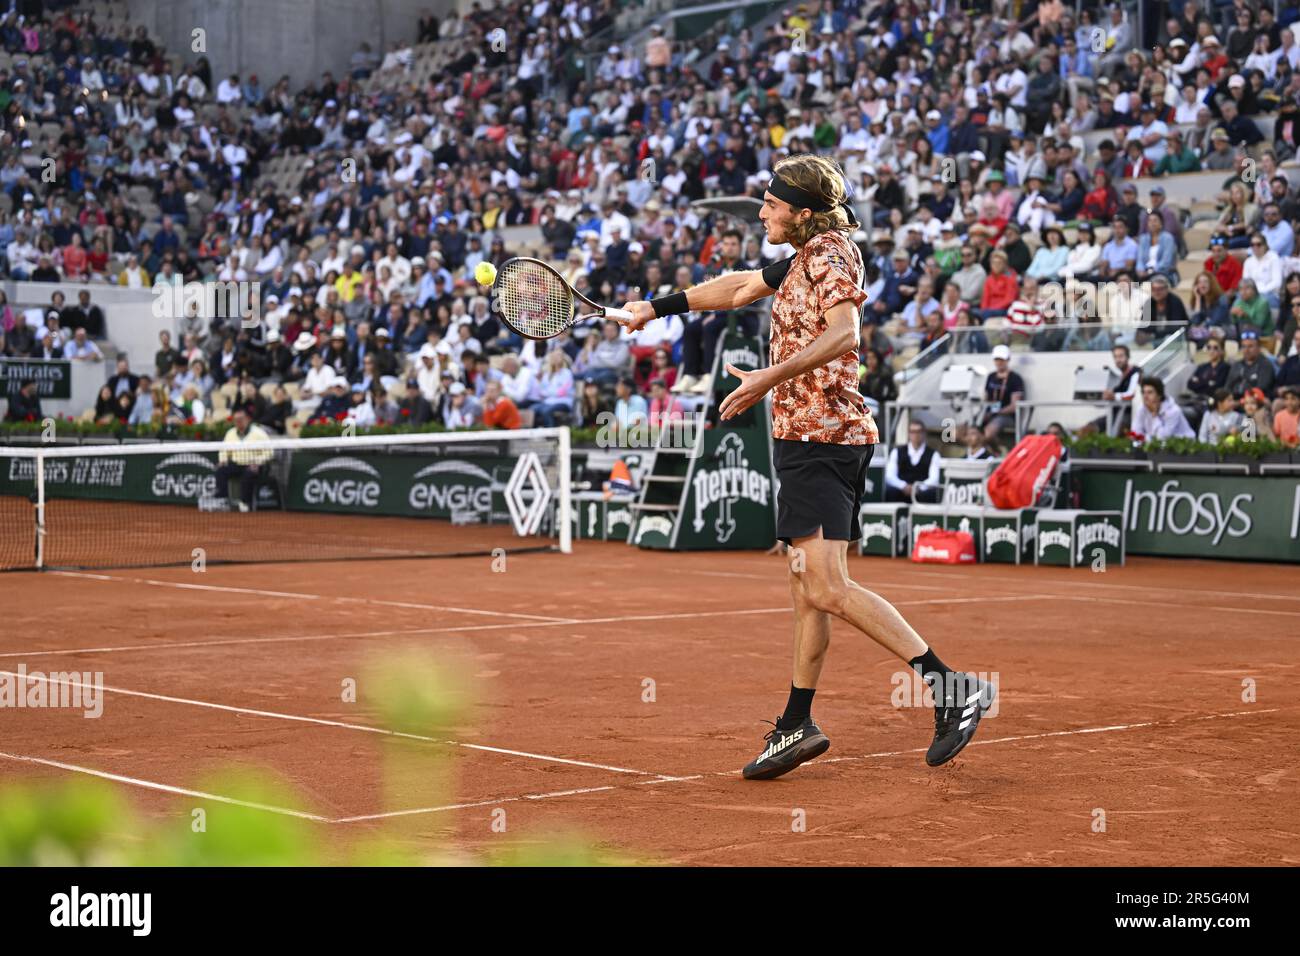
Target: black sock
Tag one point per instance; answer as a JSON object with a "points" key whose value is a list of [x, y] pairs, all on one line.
{"points": [[797, 708], [936, 673]]}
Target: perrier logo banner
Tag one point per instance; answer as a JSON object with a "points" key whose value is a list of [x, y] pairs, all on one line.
{"points": [[730, 499]]}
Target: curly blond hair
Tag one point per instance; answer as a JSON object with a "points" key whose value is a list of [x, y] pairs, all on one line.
{"points": [[823, 178]]}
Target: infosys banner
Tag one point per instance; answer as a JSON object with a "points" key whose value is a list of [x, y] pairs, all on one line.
{"points": [[1206, 516]]}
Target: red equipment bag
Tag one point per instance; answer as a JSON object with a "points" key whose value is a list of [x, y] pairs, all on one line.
{"points": [[1024, 473], [944, 547]]}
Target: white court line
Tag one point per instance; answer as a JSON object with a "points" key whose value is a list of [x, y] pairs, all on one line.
{"points": [[657, 779], [1266, 595], [302, 596], [466, 628], [1185, 607], [734, 773], [165, 788], [1061, 733], [327, 723], [457, 629], [776, 579]]}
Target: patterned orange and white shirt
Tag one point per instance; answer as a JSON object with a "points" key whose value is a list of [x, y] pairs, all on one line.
{"points": [[822, 405]]}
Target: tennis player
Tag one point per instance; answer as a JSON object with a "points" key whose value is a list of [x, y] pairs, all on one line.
{"points": [[823, 437]]}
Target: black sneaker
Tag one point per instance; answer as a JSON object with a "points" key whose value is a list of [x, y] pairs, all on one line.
{"points": [[786, 750], [957, 718]]}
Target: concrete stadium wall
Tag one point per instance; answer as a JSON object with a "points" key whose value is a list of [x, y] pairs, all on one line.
{"points": [[302, 38], [130, 325]]}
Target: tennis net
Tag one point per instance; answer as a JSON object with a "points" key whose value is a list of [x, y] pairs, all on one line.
{"points": [[397, 496]]}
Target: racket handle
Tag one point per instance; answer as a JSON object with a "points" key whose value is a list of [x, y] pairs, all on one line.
{"points": [[618, 315]]}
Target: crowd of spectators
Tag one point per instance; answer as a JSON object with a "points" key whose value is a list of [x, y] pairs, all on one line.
{"points": [[959, 126]]}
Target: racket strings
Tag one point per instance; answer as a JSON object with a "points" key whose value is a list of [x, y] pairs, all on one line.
{"points": [[533, 300]]}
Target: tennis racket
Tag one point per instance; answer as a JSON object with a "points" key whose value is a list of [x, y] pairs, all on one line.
{"points": [[536, 302]]}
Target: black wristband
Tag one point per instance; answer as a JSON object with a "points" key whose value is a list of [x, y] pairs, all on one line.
{"points": [[674, 304]]}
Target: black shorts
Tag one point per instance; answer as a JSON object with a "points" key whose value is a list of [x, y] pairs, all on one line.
{"points": [[821, 486]]}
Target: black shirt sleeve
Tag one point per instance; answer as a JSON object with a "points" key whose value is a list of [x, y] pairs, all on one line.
{"points": [[774, 274]]}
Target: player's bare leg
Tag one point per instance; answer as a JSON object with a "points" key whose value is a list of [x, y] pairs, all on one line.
{"points": [[812, 633], [794, 738], [823, 588]]}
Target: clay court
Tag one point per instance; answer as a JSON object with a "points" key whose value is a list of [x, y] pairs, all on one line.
{"points": [[1121, 691]]}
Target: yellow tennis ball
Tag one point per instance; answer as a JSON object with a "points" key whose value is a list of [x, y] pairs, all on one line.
{"points": [[485, 273]]}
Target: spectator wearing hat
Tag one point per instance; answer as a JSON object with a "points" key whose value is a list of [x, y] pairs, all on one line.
{"points": [[1225, 267], [1253, 369], [1221, 156], [1108, 115], [1168, 215], [462, 409], [1003, 389], [1151, 133], [1034, 211], [1243, 94], [336, 404], [1213, 58]]}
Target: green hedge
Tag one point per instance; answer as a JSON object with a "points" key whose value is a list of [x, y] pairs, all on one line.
{"points": [[1082, 446]]}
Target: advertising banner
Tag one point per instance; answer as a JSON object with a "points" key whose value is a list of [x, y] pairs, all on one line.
{"points": [[1204, 516]]}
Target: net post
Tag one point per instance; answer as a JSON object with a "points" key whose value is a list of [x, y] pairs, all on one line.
{"points": [[40, 510], [565, 482]]}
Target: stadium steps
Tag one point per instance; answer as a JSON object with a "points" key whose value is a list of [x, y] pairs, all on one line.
{"points": [[1198, 236]]}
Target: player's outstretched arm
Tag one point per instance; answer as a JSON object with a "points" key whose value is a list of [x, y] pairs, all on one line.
{"points": [[732, 290]]}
